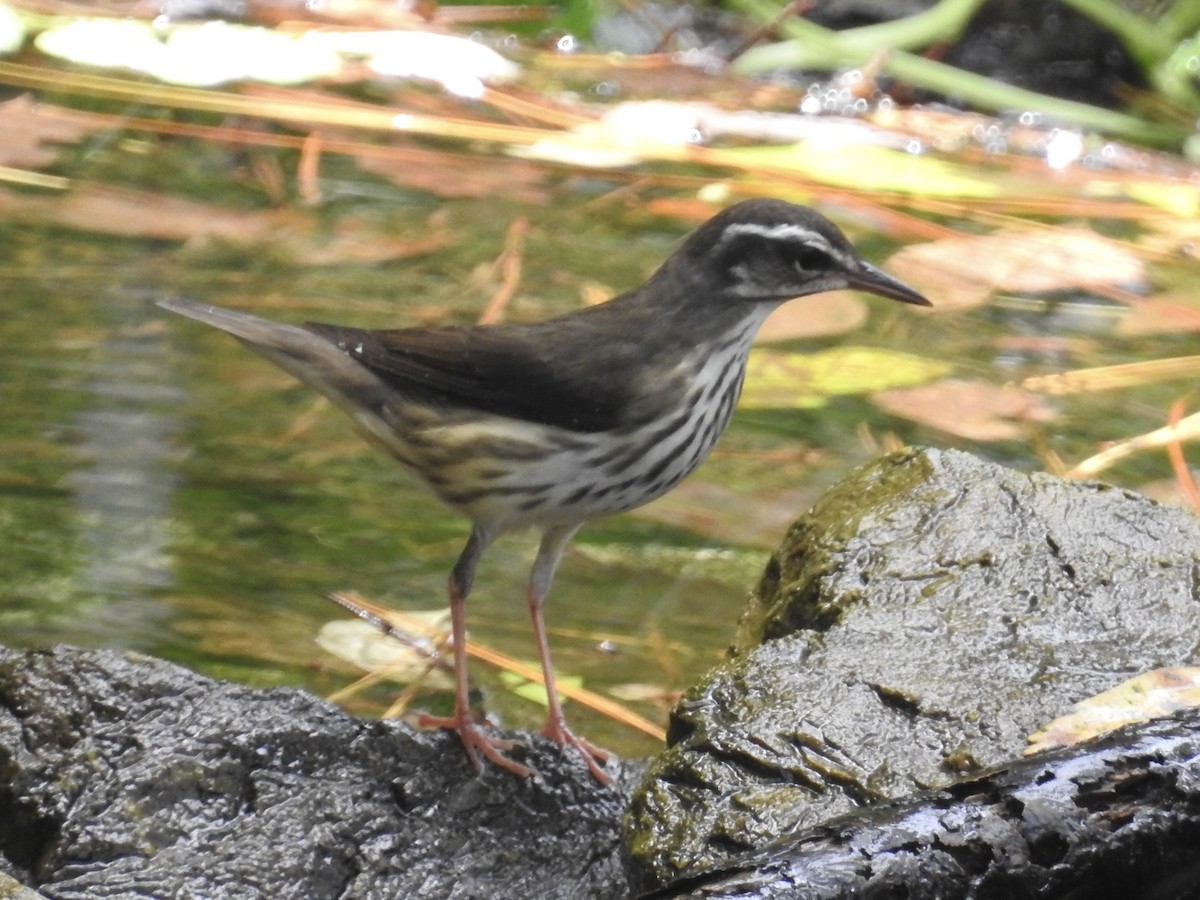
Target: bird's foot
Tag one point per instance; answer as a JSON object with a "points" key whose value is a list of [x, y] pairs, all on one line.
{"points": [[476, 742], [557, 731]]}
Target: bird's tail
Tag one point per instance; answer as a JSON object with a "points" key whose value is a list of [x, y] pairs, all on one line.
{"points": [[311, 358]]}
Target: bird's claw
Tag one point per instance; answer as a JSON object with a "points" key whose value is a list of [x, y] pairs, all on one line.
{"points": [[475, 741], [593, 756]]}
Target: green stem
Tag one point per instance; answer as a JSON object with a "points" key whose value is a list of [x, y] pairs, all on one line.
{"points": [[1146, 43], [943, 22], [1181, 20], [988, 93], [814, 47]]}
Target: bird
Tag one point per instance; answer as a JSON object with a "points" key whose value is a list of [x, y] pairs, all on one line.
{"points": [[551, 424]]}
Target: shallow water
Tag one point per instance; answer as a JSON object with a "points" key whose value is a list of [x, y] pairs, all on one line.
{"points": [[166, 491]]}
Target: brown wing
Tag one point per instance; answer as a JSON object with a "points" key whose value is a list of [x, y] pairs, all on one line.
{"points": [[529, 372]]}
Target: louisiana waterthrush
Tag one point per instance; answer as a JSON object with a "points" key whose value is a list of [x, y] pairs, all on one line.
{"points": [[551, 424]]}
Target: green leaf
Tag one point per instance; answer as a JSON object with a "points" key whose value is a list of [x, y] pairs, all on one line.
{"points": [[532, 691], [776, 380]]}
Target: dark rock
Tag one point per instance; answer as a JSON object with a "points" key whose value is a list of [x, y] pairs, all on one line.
{"points": [[929, 613], [128, 776], [1118, 819], [1041, 45]]}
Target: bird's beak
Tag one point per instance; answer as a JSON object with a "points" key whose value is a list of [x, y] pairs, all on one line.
{"points": [[876, 281]]}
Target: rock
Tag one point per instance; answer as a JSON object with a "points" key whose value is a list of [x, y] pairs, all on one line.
{"points": [[126, 776], [929, 613], [1118, 819]]}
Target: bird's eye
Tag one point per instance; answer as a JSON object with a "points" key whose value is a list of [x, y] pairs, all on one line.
{"points": [[808, 258]]}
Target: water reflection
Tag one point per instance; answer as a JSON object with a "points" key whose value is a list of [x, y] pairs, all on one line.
{"points": [[123, 487]]}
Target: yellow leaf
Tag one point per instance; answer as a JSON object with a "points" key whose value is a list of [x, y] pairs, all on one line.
{"points": [[776, 380], [869, 168], [1147, 696]]}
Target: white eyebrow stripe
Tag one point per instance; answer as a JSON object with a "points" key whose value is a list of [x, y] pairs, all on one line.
{"points": [[774, 232], [789, 232]]}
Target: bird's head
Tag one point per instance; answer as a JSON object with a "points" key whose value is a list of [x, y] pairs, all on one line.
{"points": [[771, 251]]}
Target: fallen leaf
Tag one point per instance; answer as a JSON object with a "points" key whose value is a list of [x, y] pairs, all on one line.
{"points": [[365, 646], [28, 131], [534, 691], [975, 410], [131, 213], [848, 162], [776, 380], [1150, 695], [822, 315], [460, 175], [1169, 313], [964, 271], [735, 516]]}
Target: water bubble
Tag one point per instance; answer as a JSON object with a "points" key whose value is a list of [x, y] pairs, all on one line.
{"points": [[1063, 148], [567, 44]]}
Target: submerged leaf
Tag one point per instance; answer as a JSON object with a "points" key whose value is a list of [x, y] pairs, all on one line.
{"points": [[29, 129], [822, 315], [532, 690], [365, 646], [971, 409], [965, 271], [869, 168], [805, 380]]}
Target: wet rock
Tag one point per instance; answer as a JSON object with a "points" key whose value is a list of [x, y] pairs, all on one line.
{"points": [[1118, 819], [929, 613], [128, 776]]}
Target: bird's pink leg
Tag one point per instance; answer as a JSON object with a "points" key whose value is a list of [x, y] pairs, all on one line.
{"points": [[475, 741], [549, 553]]}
